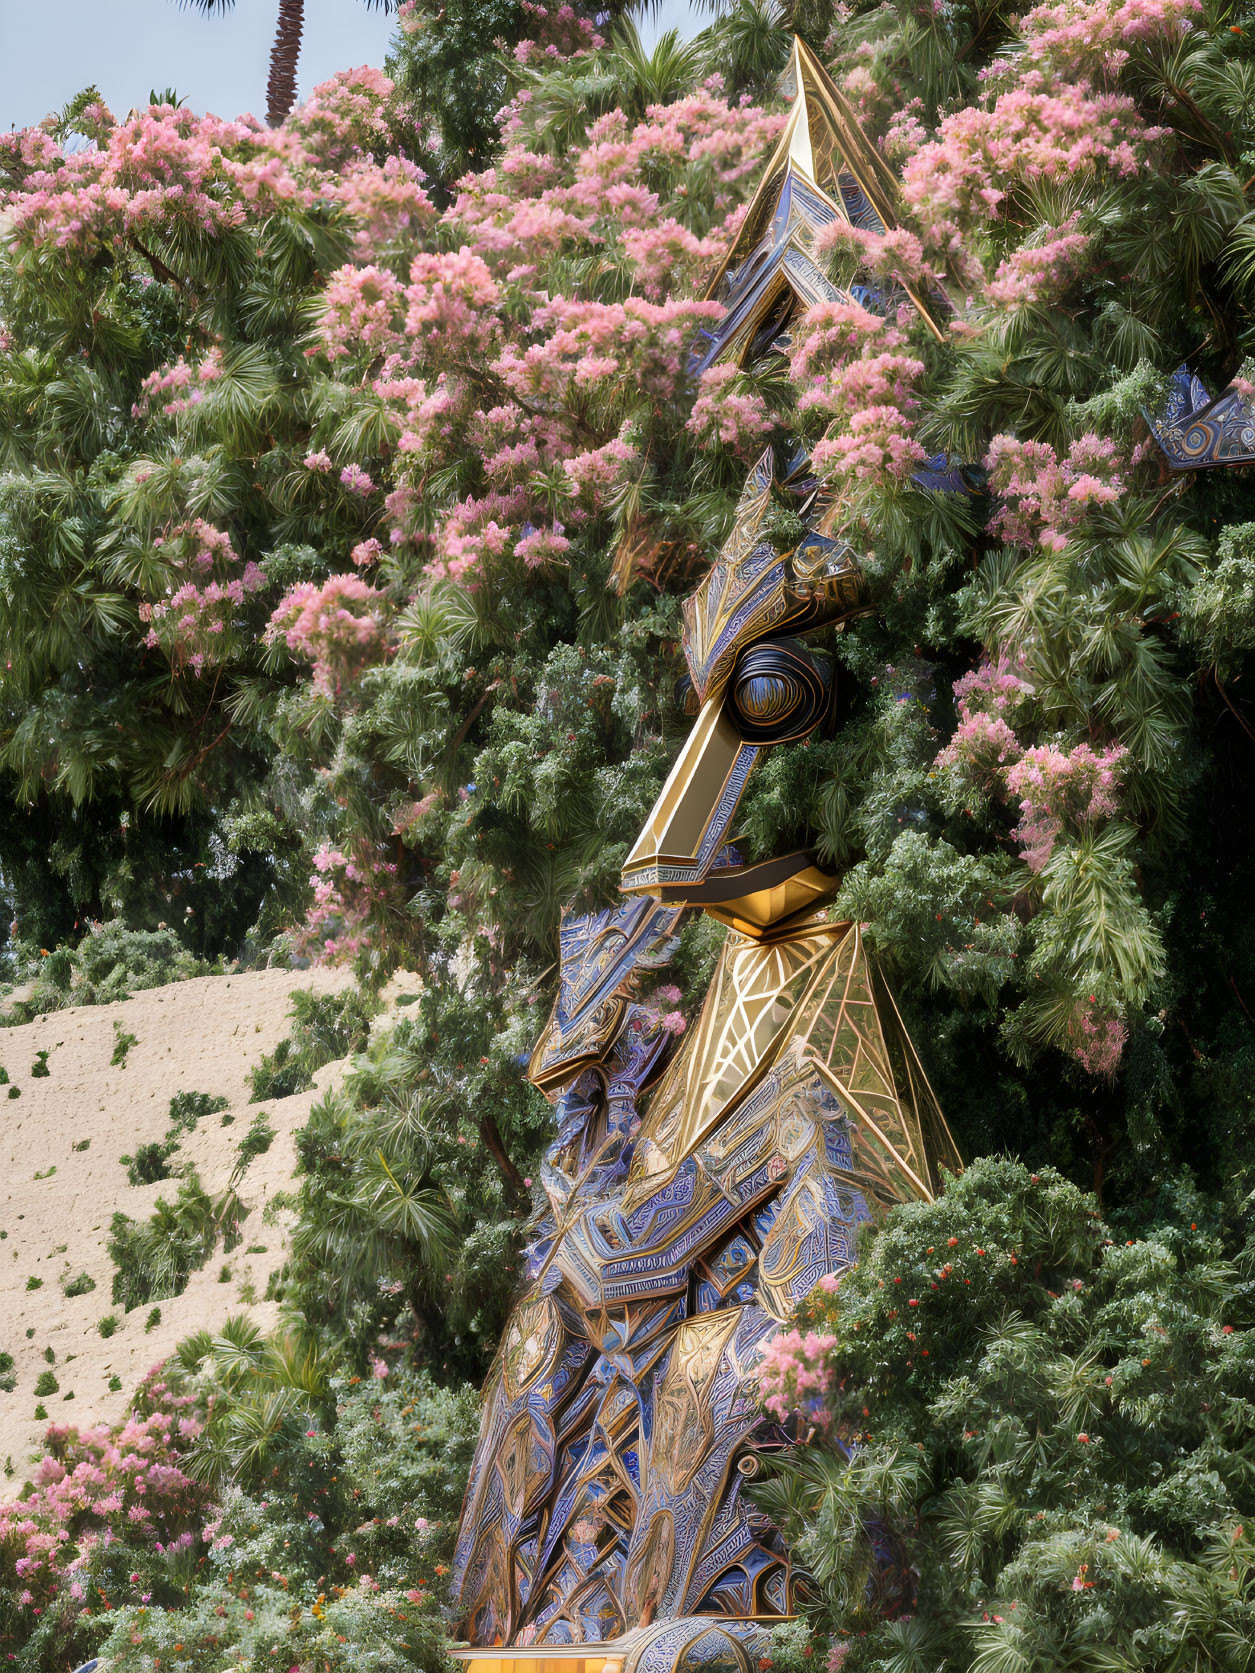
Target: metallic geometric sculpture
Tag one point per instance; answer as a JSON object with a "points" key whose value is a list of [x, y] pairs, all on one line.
{"points": [[1196, 432], [695, 1196]]}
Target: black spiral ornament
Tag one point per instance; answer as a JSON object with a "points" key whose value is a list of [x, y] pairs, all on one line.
{"points": [[778, 692]]}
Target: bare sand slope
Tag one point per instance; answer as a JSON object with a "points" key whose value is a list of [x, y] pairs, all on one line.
{"points": [[198, 1036]]}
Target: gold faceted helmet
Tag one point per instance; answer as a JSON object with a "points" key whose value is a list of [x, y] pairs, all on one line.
{"points": [[754, 684]]}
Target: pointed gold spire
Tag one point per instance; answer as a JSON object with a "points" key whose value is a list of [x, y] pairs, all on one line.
{"points": [[822, 169]]}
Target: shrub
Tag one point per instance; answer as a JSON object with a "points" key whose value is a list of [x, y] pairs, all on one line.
{"points": [[187, 1108], [125, 1484], [149, 1163], [122, 1043], [46, 1383], [110, 963], [39, 1068], [108, 1325], [33, 1283], [405, 1446], [1053, 1431], [347, 1539], [84, 1284], [154, 1258], [325, 1027], [355, 1629], [8, 1377], [256, 1142]]}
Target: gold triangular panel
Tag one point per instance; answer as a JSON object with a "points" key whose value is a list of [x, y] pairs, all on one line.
{"points": [[754, 1004], [857, 1040]]}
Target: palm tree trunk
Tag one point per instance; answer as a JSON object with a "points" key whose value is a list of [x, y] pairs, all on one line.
{"points": [[281, 88]]}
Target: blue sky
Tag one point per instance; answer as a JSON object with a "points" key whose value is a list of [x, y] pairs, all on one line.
{"points": [[49, 49]]}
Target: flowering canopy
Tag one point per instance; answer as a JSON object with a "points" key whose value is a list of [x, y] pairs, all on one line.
{"points": [[329, 480]]}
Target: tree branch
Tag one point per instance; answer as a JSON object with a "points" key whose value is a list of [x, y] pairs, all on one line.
{"points": [[495, 1145], [165, 274]]}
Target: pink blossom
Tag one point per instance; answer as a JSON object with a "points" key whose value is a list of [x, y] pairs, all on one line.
{"points": [[352, 896], [361, 311], [357, 480], [1045, 499], [728, 413], [196, 623], [1091, 37], [542, 547], [1034, 132], [795, 1372], [365, 553], [338, 627], [1078, 787], [1039, 272]]}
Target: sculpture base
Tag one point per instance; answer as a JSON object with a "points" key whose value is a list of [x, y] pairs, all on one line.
{"points": [[690, 1644], [545, 1658]]}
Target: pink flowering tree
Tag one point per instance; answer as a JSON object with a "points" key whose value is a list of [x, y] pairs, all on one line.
{"points": [[448, 432], [111, 1514]]}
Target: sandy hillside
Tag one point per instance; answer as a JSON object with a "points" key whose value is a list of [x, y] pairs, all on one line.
{"points": [[197, 1036]]}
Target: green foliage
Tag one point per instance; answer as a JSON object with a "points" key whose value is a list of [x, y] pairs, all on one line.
{"points": [[109, 963], [404, 1447], [1218, 611], [324, 1027], [1054, 1430], [149, 1163], [39, 1068], [187, 1108], [46, 1383], [108, 1325], [84, 1284], [453, 71], [8, 1377], [154, 1258], [356, 1478], [266, 1392], [408, 1210], [122, 1043], [256, 1142], [349, 1633]]}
